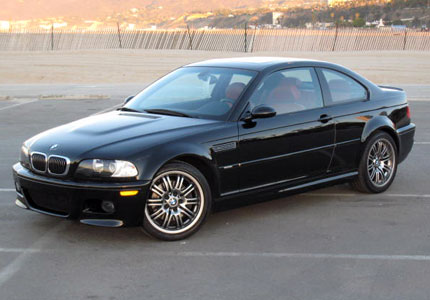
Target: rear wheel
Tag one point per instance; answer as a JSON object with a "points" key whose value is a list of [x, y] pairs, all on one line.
{"points": [[179, 201], [378, 165]]}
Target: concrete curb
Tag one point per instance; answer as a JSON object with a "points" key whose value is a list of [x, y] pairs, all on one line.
{"points": [[55, 97], [72, 97]]}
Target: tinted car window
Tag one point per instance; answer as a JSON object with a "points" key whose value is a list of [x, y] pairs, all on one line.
{"points": [[201, 92], [343, 88], [289, 91]]}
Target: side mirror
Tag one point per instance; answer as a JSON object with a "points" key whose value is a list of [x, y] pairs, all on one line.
{"points": [[261, 112], [128, 99]]}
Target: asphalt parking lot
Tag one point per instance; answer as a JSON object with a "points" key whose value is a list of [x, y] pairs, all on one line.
{"points": [[331, 243]]}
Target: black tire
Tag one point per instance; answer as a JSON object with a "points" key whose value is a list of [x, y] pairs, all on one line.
{"points": [[170, 214], [364, 182]]}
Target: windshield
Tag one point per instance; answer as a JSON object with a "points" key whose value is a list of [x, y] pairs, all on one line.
{"points": [[198, 92]]}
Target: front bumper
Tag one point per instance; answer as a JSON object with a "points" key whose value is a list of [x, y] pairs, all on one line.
{"points": [[80, 200]]}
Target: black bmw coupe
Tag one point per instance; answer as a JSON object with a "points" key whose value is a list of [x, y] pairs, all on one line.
{"points": [[211, 131]]}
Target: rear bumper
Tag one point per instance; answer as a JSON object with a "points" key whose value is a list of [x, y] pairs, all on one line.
{"points": [[80, 200], [406, 140]]}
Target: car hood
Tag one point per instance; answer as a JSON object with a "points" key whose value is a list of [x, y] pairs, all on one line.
{"points": [[91, 134]]}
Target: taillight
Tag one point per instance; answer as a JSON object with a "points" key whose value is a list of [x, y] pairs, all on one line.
{"points": [[408, 112]]}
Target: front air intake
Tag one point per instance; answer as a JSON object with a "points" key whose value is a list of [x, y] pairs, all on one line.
{"points": [[38, 162], [58, 165]]}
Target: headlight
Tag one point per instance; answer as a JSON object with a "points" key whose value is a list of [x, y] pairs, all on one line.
{"points": [[24, 156], [106, 168]]}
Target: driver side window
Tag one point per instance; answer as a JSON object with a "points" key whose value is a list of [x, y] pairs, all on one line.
{"points": [[289, 91]]}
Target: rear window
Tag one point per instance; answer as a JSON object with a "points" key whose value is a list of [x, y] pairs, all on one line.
{"points": [[343, 88]]}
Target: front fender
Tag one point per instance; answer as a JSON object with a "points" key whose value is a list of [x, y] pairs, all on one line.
{"points": [[156, 158]]}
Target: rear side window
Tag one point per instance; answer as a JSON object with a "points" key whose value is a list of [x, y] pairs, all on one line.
{"points": [[343, 88]]}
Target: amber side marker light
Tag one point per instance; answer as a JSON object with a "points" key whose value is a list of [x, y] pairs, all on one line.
{"points": [[128, 193]]}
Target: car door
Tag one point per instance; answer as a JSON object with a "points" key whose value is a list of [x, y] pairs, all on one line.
{"points": [[295, 144], [346, 101]]}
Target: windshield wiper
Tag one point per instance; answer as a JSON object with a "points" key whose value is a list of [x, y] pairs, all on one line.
{"points": [[128, 109], [168, 112]]}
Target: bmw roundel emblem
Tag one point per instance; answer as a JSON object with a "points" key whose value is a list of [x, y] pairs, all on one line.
{"points": [[53, 147]]}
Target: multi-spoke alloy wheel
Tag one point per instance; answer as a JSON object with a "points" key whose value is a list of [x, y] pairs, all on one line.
{"points": [[380, 162], [177, 202], [378, 165]]}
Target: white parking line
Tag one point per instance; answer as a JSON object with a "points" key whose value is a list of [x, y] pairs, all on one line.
{"points": [[421, 143], [7, 190], [392, 257], [298, 255], [106, 109], [367, 195], [418, 99], [18, 104], [19, 250], [15, 265]]}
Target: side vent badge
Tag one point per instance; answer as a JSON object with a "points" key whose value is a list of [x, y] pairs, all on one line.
{"points": [[224, 147]]}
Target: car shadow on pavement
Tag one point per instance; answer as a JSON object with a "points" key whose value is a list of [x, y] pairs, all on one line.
{"points": [[240, 211]]}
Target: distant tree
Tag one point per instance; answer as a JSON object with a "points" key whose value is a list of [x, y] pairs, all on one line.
{"points": [[387, 9], [377, 15], [359, 22], [416, 22], [265, 19]]}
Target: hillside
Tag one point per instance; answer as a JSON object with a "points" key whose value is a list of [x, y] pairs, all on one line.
{"points": [[33, 9]]}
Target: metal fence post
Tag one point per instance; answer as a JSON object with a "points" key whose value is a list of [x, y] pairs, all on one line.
{"points": [[404, 40]]}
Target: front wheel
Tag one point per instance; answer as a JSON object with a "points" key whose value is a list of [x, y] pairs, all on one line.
{"points": [[179, 201], [378, 165]]}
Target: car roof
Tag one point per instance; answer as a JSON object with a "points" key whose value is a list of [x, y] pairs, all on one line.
{"points": [[268, 64], [255, 63]]}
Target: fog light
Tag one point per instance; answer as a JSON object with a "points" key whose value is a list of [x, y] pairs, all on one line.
{"points": [[17, 187], [20, 204], [128, 193], [108, 206]]}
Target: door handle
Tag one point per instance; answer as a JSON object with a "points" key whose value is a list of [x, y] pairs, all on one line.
{"points": [[324, 118]]}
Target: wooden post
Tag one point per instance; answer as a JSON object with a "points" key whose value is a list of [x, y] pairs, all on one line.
{"points": [[335, 37], [253, 37], [52, 37], [246, 35], [190, 46], [119, 35]]}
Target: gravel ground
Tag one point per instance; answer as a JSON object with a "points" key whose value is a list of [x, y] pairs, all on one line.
{"points": [[136, 66]]}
